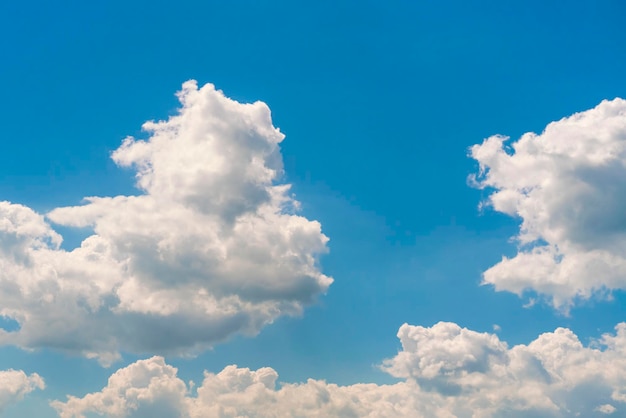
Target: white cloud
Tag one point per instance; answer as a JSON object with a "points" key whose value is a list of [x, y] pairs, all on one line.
{"points": [[568, 187], [212, 246], [554, 375], [449, 371], [146, 388], [15, 384]]}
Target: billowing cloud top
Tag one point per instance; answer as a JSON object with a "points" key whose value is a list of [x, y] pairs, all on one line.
{"points": [[212, 246], [568, 186], [449, 372]]}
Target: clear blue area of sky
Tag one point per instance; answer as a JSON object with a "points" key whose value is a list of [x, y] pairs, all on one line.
{"points": [[379, 100]]}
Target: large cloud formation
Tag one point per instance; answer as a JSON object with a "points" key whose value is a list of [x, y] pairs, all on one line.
{"points": [[210, 247], [15, 384], [568, 186], [449, 371]]}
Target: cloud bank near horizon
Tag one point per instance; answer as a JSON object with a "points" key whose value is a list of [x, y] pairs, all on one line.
{"points": [[211, 246], [567, 185], [448, 371]]}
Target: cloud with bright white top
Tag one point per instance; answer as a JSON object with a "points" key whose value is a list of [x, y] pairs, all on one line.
{"points": [[568, 188], [448, 371], [211, 246]]}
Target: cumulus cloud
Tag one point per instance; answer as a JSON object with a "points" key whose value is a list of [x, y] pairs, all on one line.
{"points": [[448, 371], [211, 246], [568, 187], [15, 384], [554, 375]]}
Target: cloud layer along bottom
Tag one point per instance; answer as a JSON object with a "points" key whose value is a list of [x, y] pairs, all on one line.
{"points": [[447, 371]]}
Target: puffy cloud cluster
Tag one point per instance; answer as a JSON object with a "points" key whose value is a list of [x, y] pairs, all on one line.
{"points": [[568, 187], [449, 371], [15, 384], [554, 375], [210, 247], [150, 388]]}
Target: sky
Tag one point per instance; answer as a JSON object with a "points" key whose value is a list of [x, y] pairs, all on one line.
{"points": [[312, 209]]}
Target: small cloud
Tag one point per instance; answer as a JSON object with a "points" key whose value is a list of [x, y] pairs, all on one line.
{"points": [[15, 384], [606, 409], [531, 302]]}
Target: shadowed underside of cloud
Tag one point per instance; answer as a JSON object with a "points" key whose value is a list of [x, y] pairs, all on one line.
{"points": [[15, 384], [449, 371], [212, 245], [568, 187]]}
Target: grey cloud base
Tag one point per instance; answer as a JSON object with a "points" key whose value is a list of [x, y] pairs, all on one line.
{"points": [[449, 371], [212, 245]]}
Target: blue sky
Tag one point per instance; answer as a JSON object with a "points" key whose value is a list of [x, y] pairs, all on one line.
{"points": [[380, 103]]}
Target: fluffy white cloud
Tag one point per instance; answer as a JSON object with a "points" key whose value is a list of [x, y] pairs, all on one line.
{"points": [[449, 372], [15, 384], [568, 186], [147, 388], [211, 246], [480, 376]]}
